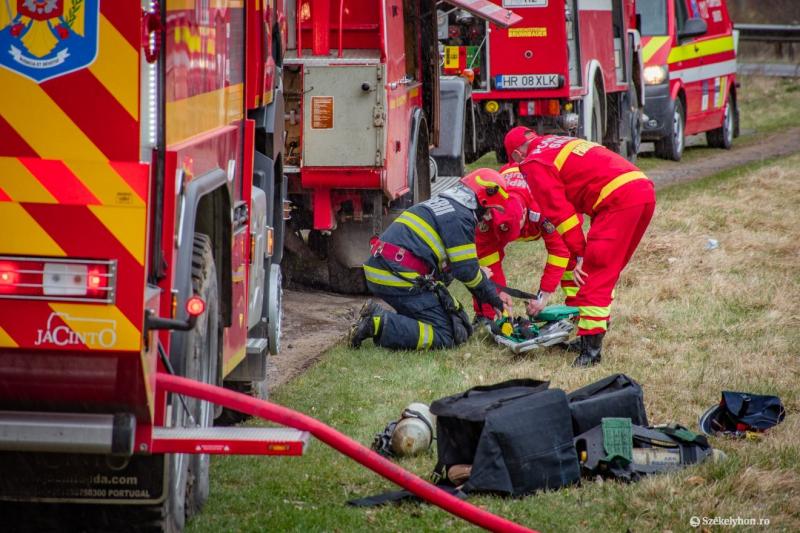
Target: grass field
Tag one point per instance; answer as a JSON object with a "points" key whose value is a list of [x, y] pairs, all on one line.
{"points": [[688, 324]]}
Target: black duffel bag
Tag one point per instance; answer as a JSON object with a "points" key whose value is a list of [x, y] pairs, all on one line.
{"points": [[517, 435], [616, 396]]}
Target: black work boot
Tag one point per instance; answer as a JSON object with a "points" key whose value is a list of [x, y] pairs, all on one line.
{"points": [[364, 327], [573, 346], [591, 345]]}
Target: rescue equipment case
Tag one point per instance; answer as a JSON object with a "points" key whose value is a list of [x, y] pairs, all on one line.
{"points": [[616, 396]]}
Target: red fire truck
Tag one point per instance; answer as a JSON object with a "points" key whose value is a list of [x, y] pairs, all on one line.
{"points": [[361, 97], [142, 207], [570, 66]]}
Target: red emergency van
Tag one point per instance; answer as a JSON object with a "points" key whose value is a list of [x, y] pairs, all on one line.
{"points": [[689, 50]]}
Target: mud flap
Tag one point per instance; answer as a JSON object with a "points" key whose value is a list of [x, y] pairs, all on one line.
{"points": [[79, 478], [449, 154]]}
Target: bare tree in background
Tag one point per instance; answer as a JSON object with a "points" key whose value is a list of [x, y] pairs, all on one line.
{"points": [[765, 11]]}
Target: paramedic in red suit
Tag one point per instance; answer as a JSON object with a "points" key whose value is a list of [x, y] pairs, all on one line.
{"points": [[521, 221], [570, 177]]}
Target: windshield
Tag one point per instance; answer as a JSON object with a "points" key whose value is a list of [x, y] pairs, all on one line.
{"points": [[653, 15]]}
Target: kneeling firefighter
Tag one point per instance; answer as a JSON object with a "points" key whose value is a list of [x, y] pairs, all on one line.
{"points": [[412, 262]]}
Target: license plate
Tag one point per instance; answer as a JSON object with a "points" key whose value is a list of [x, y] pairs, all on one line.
{"points": [[524, 3], [528, 81]]}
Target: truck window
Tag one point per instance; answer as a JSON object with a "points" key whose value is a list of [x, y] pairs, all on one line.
{"points": [[680, 16], [653, 15]]}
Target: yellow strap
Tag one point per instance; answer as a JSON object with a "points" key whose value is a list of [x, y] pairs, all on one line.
{"points": [[489, 260], [475, 281], [616, 183], [557, 261], [386, 278], [567, 225], [376, 325], [462, 253], [568, 275], [510, 170], [569, 291], [584, 323], [421, 339], [424, 231], [578, 147], [593, 310], [562, 156], [429, 331]]}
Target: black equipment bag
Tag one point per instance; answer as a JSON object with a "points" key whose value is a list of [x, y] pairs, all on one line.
{"points": [[517, 435], [740, 412], [616, 396]]}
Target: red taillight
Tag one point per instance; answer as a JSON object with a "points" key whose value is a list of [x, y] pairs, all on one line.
{"points": [[97, 281], [195, 306], [7, 276], [57, 279]]}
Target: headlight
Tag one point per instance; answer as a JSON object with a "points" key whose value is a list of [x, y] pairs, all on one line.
{"points": [[655, 75]]}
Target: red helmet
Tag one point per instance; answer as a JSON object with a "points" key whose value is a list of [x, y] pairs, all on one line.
{"points": [[515, 138], [489, 187]]}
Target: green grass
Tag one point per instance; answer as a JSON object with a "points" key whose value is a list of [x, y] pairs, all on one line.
{"points": [[767, 105], [688, 323]]}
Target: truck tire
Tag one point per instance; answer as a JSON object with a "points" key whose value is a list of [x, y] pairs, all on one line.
{"points": [[344, 279], [202, 363], [671, 146], [722, 137], [422, 167], [498, 138], [634, 117], [595, 133]]}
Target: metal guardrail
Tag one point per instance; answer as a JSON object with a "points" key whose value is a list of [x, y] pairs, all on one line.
{"points": [[770, 33]]}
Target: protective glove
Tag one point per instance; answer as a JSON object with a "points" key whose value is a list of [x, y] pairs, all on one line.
{"points": [[534, 307]]}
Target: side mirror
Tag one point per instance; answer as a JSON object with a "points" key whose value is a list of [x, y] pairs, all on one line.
{"points": [[695, 27]]}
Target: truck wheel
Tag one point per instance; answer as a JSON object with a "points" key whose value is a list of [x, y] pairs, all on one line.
{"points": [[202, 360], [596, 126], [634, 117], [422, 167], [722, 137], [499, 147], [187, 475], [344, 279], [671, 146]]}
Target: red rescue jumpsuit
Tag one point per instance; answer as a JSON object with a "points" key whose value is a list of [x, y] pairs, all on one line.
{"points": [[570, 176], [522, 220]]}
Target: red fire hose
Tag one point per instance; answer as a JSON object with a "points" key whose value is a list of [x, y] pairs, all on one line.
{"points": [[342, 443]]}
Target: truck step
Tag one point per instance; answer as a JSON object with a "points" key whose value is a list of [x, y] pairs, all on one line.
{"points": [[231, 440], [257, 346]]}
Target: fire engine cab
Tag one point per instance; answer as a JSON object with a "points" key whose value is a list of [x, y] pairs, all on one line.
{"points": [[570, 67], [689, 49]]}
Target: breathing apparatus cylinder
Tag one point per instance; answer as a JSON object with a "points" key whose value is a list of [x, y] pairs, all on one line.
{"points": [[414, 432]]}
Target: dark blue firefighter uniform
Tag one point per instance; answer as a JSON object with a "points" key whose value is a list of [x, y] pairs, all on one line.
{"points": [[441, 232]]}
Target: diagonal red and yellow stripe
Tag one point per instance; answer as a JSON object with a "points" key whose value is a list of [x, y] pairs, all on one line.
{"points": [[91, 113]]}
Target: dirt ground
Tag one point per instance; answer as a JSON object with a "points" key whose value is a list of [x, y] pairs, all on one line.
{"points": [[767, 147], [314, 321]]}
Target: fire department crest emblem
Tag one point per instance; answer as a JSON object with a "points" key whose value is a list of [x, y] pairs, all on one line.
{"points": [[44, 39]]}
